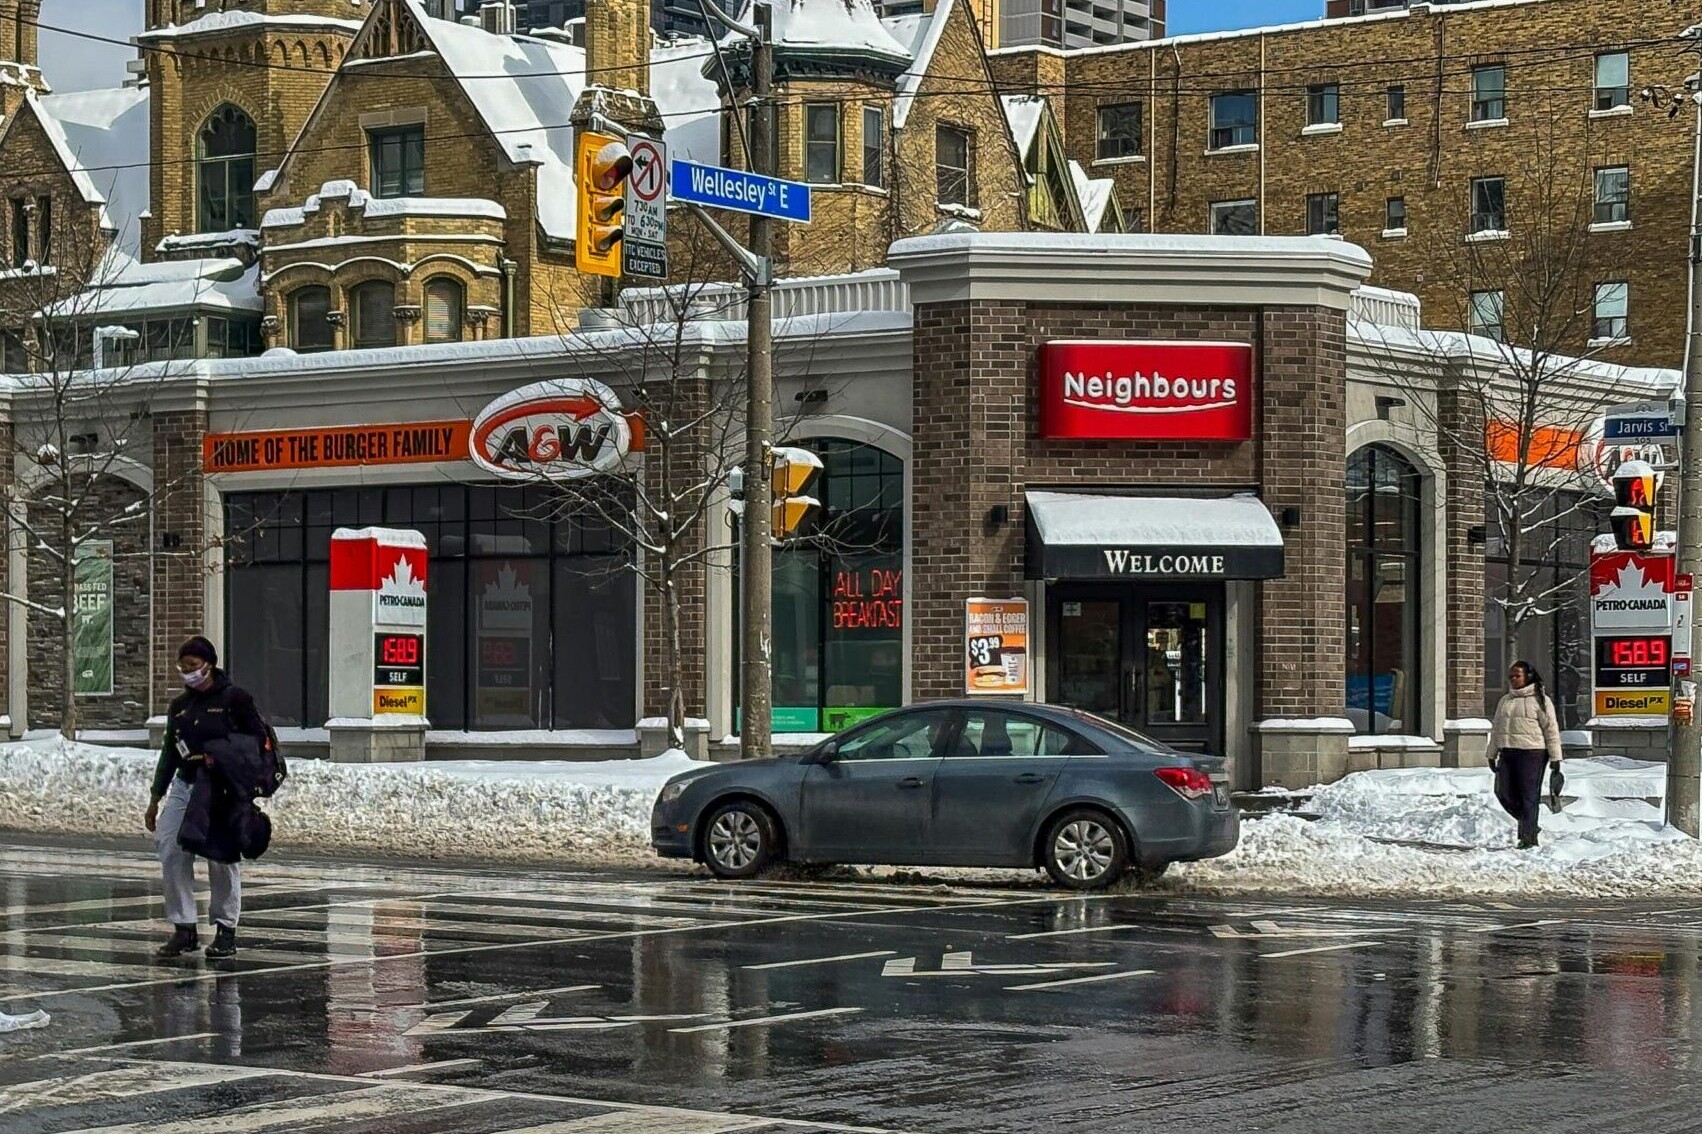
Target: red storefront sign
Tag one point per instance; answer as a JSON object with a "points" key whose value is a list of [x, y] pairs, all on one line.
{"points": [[1146, 391]]}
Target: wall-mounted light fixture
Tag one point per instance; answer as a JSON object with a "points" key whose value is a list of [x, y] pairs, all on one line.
{"points": [[810, 397], [1291, 517], [1477, 535], [1385, 404], [997, 517]]}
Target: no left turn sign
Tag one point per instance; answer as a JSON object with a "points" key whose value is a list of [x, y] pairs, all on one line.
{"points": [[644, 242]]}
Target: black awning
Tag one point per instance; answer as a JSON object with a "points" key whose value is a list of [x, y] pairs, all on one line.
{"points": [[1073, 535]]}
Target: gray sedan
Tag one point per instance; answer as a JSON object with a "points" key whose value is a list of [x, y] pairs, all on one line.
{"points": [[958, 783]]}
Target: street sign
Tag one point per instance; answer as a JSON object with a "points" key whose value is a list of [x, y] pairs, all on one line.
{"points": [[716, 188], [1638, 421], [644, 242]]}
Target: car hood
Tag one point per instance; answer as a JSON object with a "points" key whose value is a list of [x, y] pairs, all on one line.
{"points": [[732, 767]]}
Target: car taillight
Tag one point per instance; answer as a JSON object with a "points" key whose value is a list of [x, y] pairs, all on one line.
{"points": [[1189, 783]]}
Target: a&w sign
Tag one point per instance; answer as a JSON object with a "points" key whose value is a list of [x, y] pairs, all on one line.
{"points": [[555, 430]]}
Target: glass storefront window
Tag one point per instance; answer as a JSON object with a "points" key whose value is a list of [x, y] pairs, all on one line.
{"points": [[532, 613], [1383, 601]]}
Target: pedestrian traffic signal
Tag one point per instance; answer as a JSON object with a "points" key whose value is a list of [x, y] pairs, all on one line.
{"points": [[604, 166], [793, 470], [1634, 486]]}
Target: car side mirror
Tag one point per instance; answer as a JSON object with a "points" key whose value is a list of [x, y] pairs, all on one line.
{"points": [[824, 754]]}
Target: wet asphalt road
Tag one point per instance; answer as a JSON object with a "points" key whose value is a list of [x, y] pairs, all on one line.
{"points": [[406, 1000]]}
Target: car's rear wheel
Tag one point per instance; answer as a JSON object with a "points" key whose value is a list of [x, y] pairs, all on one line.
{"points": [[740, 839], [1085, 850]]}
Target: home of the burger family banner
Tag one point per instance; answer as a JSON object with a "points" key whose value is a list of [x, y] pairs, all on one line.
{"points": [[1192, 484]]}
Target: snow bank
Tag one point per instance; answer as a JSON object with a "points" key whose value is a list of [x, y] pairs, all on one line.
{"points": [[550, 810], [1432, 831]]}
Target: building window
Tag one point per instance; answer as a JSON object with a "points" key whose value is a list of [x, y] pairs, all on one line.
{"points": [[1321, 214], [1135, 221], [1323, 104], [231, 338], [874, 138], [1486, 314], [224, 169], [1119, 131], [952, 150], [14, 353], [20, 212], [1613, 195], [821, 143], [310, 320], [531, 618], [1489, 93], [1489, 204], [1613, 80], [373, 305], [1395, 214], [444, 301], [398, 161], [1396, 109], [1383, 592], [1234, 119], [1612, 309], [1235, 218], [839, 596]]}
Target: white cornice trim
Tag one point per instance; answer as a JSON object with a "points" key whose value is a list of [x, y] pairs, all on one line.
{"points": [[1185, 270]]}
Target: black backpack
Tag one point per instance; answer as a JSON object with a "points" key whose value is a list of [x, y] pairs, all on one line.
{"points": [[274, 770]]}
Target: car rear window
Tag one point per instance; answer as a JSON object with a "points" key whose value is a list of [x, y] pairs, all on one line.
{"points": [[1119, 730]]}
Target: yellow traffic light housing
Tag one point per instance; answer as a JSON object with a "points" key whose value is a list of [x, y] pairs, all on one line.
{"points": [[604, 166], [1635, 485], [792, 472]]}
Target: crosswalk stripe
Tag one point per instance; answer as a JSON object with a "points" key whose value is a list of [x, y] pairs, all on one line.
{"points": [[520, 1013], [120, 1082], [57, 966], [263, 921], [504, 996], [761, 1021], [628, 1122], [298, 1114]]}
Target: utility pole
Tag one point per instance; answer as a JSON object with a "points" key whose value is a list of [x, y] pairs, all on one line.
{"points": [[1684, 762], [756, 707]]}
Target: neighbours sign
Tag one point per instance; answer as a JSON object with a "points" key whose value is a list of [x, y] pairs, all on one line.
{"points": [[1146, 391], [92, 641]]}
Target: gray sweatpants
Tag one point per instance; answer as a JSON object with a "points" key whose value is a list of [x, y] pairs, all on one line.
{"points": [[177, 866]]}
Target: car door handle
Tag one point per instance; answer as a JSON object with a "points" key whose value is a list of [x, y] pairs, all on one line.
{"points": [[1031, 778], [912, 781]]}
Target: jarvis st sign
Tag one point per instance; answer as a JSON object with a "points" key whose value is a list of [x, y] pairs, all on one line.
{"points": [[1146, 391], [555, 430]]}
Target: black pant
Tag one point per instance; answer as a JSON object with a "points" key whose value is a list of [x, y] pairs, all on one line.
{"points": [[1518, 785]]}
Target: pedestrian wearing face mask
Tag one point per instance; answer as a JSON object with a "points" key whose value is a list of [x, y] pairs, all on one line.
{"points": [[1523, 740], [209, 710]]}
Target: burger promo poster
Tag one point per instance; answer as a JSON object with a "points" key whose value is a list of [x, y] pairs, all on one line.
{"points": [[996, 646]]}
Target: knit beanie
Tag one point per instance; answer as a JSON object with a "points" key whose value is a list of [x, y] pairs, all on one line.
{"points": [[199, 647]]}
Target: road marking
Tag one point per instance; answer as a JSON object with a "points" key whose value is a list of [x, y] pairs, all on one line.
{"points": [[1079, 980], [438, 1021], [621, 1122], [963, 964], [521, 1013], [1265, 929], [133, 1078], [442, 1065], [292, 1114], [503, 996], [1520, 925], [822, 960], [1319, 949], [762, 1021], [1070, 932], [60, 966], [137, 1043]]}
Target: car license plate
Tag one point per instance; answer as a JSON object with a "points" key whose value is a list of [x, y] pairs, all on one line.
{"points": [[1220, 794]]}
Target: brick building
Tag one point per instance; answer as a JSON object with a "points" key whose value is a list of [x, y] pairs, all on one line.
{"points": [[1454, 142]]}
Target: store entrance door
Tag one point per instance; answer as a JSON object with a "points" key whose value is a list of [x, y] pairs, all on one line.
{"points": [[1151, 657]]}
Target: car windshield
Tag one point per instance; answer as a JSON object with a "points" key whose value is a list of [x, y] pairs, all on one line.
{"points": [[1119, 730]]}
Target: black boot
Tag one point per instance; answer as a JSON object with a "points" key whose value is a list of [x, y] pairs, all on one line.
{"points": [[183, 940], [224, 942]]}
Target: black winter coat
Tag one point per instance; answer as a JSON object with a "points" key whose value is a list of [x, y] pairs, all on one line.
{"points": [[200, 716], [221, 821]]}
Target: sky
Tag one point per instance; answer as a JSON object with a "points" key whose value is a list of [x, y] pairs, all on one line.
{"points": [[75, 63]]}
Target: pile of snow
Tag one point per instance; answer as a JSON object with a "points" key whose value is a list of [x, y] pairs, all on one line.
{"points": [[525, 811], [1440, 831]]}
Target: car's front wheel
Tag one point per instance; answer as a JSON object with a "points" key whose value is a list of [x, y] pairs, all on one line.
{"points": [[1085, 850], [740, 839]]}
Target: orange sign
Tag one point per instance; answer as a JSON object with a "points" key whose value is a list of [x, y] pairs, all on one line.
{"points": [[336, 446], [996, 646], [1551, 446]]}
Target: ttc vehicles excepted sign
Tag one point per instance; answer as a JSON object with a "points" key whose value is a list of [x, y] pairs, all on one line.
{"points": [[644, 243]]}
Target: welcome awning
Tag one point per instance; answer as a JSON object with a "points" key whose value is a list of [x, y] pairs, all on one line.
{"points": [[1078, 535]]}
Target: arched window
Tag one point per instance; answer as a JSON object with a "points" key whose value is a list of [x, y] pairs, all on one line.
{"points": [[1384, 545], [310, 319], [374, 309], [444, 301], [224, 169]]}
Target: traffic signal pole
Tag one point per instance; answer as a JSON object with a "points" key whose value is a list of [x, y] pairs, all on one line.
{"points": [[1684, 764], [756, 705]]}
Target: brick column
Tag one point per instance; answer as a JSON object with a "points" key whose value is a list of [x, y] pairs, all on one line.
{"points": [[8, 486], [1460, 424], [179, 543], [1302, 632]]}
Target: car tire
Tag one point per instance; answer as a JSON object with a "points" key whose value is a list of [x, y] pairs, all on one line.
{"points": [[740, 839], [1085, 849]]}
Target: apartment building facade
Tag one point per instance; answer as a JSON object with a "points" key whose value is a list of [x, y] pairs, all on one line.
{"points": [[1467, 147], [1063, 24]]}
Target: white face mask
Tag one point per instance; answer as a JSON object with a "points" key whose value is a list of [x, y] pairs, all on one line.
{"points": [[197, 679]]}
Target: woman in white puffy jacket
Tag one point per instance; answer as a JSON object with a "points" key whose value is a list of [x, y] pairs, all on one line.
{"points": [[1524, 739]]}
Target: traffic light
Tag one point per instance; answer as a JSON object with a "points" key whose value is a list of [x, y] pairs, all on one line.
{"points": [[1633, 519], [604, 166], [793, 470]]}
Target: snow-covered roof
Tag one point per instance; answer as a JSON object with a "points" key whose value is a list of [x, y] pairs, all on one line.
{"points": [[125, 285], [922, 48], [102, 136], [829, 26], [1094, 193], [231, 21], [1024, 113], [192, 241], [359, 198]]}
